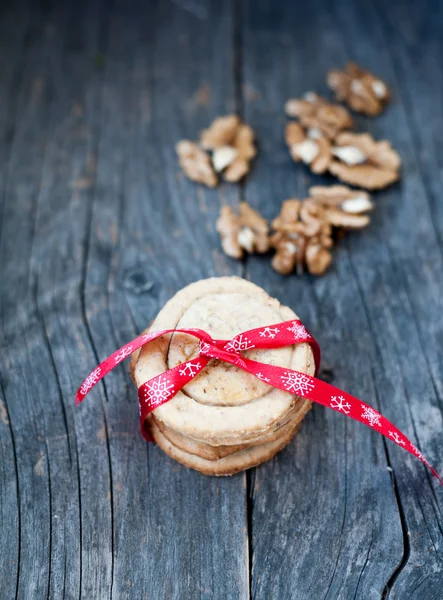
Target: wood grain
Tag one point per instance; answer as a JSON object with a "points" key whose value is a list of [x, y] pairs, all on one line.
{"points": [[98, 228], [359, 532], [148, 238], [379, 303]]}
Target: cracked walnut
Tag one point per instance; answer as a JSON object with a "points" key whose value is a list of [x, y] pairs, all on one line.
{"points": [[225, 148]]}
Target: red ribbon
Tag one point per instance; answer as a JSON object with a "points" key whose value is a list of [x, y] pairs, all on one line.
{"points": [[163, 387]]}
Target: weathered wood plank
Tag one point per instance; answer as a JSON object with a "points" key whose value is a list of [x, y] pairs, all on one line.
{"points": [[359, 540], [13, 35], [74, 484], [98, 228], [24, 394], [41, 245], [175, 533], [407, 304], [60, 255]]}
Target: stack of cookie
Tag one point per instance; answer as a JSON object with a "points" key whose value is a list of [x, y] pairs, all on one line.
{"points": [[225, 420]]}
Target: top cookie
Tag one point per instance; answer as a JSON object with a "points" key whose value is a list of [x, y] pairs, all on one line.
{"points": [[224, 404]]}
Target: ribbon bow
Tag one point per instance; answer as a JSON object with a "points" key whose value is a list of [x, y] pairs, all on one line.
{"points": [[164, 387]]}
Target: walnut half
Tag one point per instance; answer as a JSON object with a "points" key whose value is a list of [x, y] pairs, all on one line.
{"points": [[364, 92], [247, 231], [360, 160], [225, 148], [196, 163], [318, 116], [302, 236], [343, 206], [304, 146], [232, 144]]}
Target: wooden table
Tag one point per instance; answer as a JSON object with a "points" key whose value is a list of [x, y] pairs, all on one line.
{"points": [[99, 228]]}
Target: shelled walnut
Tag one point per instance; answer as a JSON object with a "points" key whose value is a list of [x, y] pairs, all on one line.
{"points": [[344, 207], [303, 230], [360, 160], [196, 163], [364, 92], [231, 144], [319, 117], [353, 158], [220, 133], [308, 146], [247, 231], [302, 235]]}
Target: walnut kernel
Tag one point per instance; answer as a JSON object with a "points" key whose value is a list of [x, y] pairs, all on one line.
{"points": [[232, 146], [363, 91], [247, 231], [303, 229], [313, 151], [220, 133], [195, 163], [363, 161], [316, 113]]}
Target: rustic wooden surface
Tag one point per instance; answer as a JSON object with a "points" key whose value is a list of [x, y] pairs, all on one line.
{"points": [[99, 229]]}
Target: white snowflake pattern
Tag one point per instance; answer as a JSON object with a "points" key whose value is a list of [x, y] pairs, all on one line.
{"points": [[298, 330], [90, 381], [204, 347], [238, 360], [190, 369], [239, 343], [158, 390], [419, 455], [269, 332], [262, 377], [340, 404], [371, 415], [124, 353], [297, 383], [396, 438]]}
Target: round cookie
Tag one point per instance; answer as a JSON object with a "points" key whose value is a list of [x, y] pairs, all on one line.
{"points": [[208, 452], [228, 465], [224, 405]]}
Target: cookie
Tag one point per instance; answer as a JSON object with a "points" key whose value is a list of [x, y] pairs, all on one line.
{"points": [[208, 452], [228, 465], [223, 405]]}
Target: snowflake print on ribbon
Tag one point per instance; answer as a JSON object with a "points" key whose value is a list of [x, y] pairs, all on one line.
{"points": [[240, 362], [240, 343], [419, 455], [158, 390], [190, 369], [297, 383], [262, 377], [371, 415], [269, 332], [396, 438], [124, 353], [204, 347], [90, 381], [298, 330], [340, 404]]}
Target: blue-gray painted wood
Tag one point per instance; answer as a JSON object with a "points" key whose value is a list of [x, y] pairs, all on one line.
{"points": [[98, 228]]}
